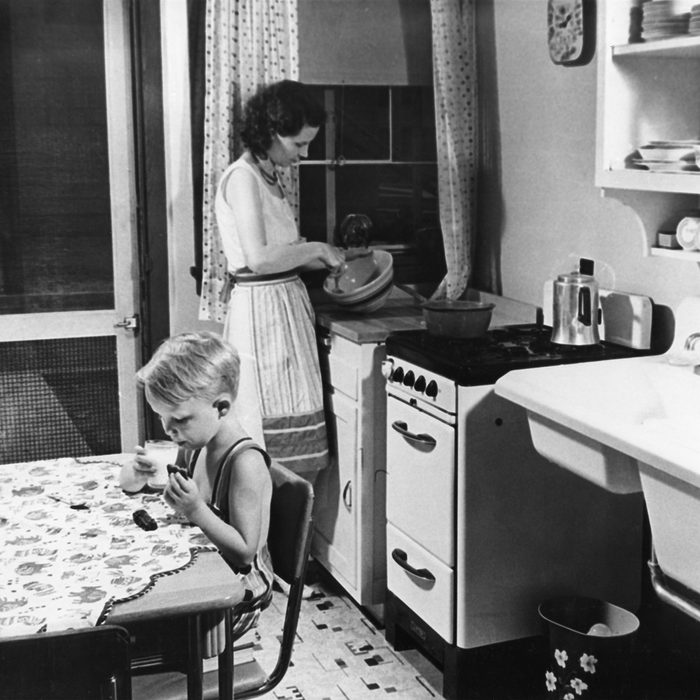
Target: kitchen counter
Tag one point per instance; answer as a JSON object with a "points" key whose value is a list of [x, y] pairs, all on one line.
{"points": [[402, 313]]}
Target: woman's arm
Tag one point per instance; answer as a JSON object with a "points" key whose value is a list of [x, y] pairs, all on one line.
{"points": [[243, 197]]}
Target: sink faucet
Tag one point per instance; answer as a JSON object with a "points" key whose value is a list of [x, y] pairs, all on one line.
{"points": [[689, 346], [691, 340]]}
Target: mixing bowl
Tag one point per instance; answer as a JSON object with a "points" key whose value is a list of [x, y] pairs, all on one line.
{"points": [[361, 279]]}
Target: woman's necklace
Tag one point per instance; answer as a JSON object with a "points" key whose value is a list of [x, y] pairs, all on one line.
{"points": [[270, 178]]}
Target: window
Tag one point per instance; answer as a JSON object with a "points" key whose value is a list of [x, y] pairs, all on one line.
{"points": [[376, 156]]}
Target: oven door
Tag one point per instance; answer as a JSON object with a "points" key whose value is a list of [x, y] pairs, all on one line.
{"points": [[421, 478]]}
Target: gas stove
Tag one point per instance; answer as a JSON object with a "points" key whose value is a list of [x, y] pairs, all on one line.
{"points": [[483, 360], [474, 515]]}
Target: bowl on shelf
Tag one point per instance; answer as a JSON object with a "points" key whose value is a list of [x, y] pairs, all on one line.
{"points": [[672, 153], [364, 283]]}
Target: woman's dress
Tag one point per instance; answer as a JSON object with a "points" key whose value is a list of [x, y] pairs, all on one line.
{"points": [[270, 321]]}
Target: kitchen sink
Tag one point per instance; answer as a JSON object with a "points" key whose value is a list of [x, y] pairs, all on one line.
{"points": [[600, 419], [627, 425]]}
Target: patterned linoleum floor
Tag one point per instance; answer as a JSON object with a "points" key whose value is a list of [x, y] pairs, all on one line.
{"points": [[340, 654]]}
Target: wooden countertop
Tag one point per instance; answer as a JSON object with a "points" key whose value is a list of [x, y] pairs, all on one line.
{"points": [[401, 313], [398, 314]]}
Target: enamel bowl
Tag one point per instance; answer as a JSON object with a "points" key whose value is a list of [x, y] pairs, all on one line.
{"points": [[363, 279]]}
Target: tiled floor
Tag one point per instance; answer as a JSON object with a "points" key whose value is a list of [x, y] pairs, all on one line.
{"points": [[341, 654]]}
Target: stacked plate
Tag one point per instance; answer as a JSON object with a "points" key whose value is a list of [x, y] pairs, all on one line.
{"points": [[364, 284], [694, 24], [669, 156], [660, 21]]}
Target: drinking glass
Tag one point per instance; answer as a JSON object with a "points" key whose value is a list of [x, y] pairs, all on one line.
{"points": [[161, 453]]}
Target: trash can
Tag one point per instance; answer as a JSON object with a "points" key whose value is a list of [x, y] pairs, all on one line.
{"points": [[591, 649]]}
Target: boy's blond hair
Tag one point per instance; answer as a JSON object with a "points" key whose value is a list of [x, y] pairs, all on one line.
{"points": [[191, 365]]}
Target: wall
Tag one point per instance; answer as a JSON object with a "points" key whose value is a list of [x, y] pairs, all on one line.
{"points": [[539, 208]]}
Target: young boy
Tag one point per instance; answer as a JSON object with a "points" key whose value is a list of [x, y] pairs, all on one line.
{"points": [[191, 383]]}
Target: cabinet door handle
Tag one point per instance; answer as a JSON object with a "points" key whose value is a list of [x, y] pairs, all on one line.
{"points": [[401, 558], [347, 495], [421, 441]]}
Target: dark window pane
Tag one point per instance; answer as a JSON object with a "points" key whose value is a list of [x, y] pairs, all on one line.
{"points": [[58, 398], [399, 199], [413, 124], [317, 148], [362, 120], [312, 202], [55, 233]]}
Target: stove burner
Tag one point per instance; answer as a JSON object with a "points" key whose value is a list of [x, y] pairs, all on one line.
{"points": [[483, 360]]}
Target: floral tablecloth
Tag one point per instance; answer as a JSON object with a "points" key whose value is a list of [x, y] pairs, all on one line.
{"points": [[63, 567]]}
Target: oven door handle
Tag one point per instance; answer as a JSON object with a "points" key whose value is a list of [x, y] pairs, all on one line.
{"points": [[401, 558], [421, 441]]}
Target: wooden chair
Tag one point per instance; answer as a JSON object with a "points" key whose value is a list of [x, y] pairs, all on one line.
{"points": [[289, 541], [90, 663]]}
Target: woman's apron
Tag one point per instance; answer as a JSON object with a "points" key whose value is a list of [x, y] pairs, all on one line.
{"points": [[270, 322]]}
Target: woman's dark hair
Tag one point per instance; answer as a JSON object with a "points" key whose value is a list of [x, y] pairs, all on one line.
{"points": [[283, 108]]}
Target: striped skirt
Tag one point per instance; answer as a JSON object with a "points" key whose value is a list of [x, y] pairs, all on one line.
{"points": [[280, 399]]}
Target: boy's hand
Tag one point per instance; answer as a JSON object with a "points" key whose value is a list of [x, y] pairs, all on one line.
{"points": [[142, 463], [182, 495]]}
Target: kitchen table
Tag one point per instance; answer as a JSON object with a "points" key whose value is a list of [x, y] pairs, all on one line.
{"points": [[72, 556]]}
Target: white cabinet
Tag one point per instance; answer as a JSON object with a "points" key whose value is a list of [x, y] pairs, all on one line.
{"points": [[350, 528], [647, 91]]}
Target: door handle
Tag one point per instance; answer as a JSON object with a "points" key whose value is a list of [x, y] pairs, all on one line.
{"points": [[347, 495], [421, 441], [131, 323], [401, 558]]}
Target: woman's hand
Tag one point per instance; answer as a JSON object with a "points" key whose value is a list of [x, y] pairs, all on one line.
{"points": [[333, 258], [183, 496]]}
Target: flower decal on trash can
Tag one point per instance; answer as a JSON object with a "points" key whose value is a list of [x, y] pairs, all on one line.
{"points": [[568, 683]]}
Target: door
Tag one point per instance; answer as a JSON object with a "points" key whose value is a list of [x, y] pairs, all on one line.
{"points": [[420, 491], [68, 263], [336, 522]]}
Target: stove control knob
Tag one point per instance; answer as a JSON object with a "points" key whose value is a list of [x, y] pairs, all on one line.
{"points": [[387, 368], [397, 375], [432, 389], [420, 383], [409, 378]]}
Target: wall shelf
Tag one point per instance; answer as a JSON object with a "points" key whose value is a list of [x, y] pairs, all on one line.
{"points": [[644, 180], [690, 255], [682, 47], [647, 91]]}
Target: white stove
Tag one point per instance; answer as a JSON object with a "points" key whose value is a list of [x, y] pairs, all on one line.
{"points": [[480, 528]]}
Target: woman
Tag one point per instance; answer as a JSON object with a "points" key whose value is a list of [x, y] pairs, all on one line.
{"points": [[270, 319]]}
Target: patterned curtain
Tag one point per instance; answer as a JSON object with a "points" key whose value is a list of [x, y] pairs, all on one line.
{"points": [[249, 43], [454, 76]]}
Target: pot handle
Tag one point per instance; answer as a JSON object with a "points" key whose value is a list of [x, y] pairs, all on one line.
{"points": [[584, 306], [416, 296]]}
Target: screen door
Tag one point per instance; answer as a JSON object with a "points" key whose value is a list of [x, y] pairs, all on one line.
{"points": [[68, 263]]}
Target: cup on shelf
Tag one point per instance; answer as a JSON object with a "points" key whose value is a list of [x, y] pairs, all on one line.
{"points": [[688, 233], [161, 453]]}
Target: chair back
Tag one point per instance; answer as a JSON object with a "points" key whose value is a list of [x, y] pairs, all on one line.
{"points": [[90, 663], [289, 542], [291, 508]]}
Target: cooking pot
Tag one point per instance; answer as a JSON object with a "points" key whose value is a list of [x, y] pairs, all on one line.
{"points": [[453, 318], [576, 312]]}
